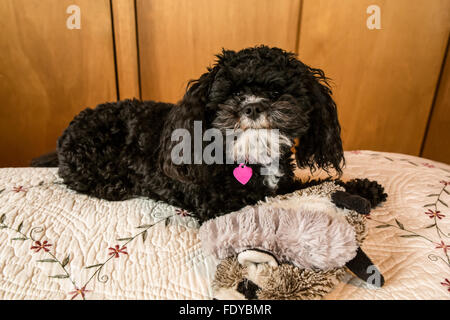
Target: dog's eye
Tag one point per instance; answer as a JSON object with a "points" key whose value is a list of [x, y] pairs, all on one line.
{"points": [[274, 94], [239, 96]]}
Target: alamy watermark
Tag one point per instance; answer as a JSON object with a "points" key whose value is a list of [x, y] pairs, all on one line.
{"points": [[74, 20], [374, 279], [374, 20], [252, 146]]}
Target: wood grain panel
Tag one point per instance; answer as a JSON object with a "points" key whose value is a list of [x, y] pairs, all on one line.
{"points": [[49, 73], [126, 48], [178, 38], [437, 141], [384, 80]]}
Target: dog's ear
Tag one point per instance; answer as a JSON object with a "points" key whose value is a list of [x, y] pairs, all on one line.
{"points": [[321, 145], [192, 111]]}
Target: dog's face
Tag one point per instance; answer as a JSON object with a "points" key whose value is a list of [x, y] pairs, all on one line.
{"points": [[265, 119], [259, 108], [262, 89], [267, 88]]}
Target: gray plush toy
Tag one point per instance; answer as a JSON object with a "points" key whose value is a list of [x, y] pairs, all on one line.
{"points": [[294, 246]]}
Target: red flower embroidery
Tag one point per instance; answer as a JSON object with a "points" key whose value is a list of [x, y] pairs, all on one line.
{"points": [[426, 164], [433, 214], [442, 245], [38, 246], [368, 216], [115, 251], [182, 212], [446, 283], [19, 189], [446, 183], [355, 152], [77, 291]]}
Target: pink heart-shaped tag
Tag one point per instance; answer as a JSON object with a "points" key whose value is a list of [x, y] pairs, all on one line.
{"points": [[242, 173]]}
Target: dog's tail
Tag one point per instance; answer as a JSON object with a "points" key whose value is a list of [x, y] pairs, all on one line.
{"points": [[47, 160]]}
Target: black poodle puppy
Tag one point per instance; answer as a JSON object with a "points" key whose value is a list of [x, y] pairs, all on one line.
{"points": [[126, 149]]}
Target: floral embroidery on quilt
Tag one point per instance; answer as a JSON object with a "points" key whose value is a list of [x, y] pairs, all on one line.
{"points": [[436, 210], [45, 248], [435, 214]]}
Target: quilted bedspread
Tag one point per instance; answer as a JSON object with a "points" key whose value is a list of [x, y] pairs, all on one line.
{"points": [[57, 244]]}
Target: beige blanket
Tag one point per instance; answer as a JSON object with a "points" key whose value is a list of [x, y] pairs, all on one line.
{"points": [[57, 244]]}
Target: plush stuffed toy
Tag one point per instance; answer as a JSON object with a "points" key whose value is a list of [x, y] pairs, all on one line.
{"points": [[293, 246]]}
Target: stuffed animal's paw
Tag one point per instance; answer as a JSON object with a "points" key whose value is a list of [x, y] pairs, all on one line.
{"points": [[352, 202]]}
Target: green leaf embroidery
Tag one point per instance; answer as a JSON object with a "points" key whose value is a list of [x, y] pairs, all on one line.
{"points": [[2, 190], [167, 222], [21, 239], [144, 226], [2, 218], [443, 202], [3, 227], [383, 226], [430, 226], [409, 235], [59, 276], [429, 205], [446, 191], [94, 266], [399, 224], [20, 227], [41, 183], [432, 195], [47, 260], [124, 239], [65, 261], [144, 236]]}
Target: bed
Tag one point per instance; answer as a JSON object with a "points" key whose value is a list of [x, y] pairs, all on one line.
{"points": [[57, 244]]}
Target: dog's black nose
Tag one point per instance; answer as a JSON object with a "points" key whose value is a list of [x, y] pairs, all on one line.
{"points": [[253, 110]]}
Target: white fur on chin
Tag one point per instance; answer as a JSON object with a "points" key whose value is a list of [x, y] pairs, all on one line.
{"points": [[260, 146]]}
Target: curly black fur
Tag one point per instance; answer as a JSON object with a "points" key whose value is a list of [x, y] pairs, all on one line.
{"points": [[123, 149], [370, 190]]}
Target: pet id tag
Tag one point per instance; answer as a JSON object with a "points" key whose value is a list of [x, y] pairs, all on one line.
{"points": [[242, 173]]}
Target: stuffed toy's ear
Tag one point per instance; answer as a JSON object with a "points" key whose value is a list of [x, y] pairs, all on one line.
{"points": [[321, 145], [364, 268]]}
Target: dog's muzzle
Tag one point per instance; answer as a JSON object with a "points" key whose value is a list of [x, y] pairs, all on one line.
{"points": [[254, 114]]}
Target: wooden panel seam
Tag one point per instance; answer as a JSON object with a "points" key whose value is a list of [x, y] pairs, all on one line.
{"points": [[136, 28], [49, 72], [124, 19], [395, 68], [116, 74], [299, 25], [436, 93]]}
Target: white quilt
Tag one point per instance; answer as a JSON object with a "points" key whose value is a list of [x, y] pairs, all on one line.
{"points": [[57, 244]]}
